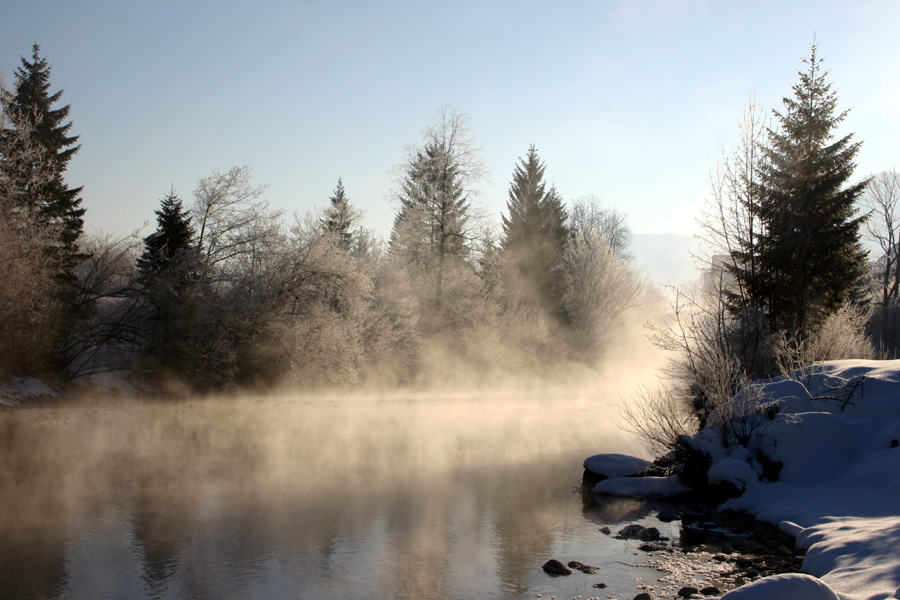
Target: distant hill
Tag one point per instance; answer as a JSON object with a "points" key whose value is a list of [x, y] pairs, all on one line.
{"points": [[665, 257]]}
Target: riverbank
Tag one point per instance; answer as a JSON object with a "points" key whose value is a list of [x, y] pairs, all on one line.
{"points": [[818, 457], [696, 547]]}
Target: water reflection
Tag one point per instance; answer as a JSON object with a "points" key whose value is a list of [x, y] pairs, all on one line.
{"points": [[419, 498]]}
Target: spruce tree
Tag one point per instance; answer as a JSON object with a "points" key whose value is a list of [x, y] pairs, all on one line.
{"points": [[170, 283], [808, 258], [174, 236], [535, 234], [430, 228], [33, 104], [339, 217]]}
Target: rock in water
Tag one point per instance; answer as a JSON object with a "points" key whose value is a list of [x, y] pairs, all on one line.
{"points": [[639, 532], [667, 516], [554, 567]]}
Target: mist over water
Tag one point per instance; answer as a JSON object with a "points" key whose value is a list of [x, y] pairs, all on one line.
{"points": [[396, 495]]}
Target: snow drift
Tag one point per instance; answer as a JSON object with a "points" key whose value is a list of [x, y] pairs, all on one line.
{"points": [[819, 455]]}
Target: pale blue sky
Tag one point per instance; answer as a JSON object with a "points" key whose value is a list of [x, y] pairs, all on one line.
{"points": [[631, 101]]}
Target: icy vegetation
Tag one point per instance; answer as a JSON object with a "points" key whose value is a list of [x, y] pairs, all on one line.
{"points": [[818, 455]]}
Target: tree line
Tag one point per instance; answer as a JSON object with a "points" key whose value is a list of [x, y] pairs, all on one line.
{"points": [[228, 291]]}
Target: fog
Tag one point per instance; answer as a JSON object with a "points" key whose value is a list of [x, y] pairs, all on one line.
{"points": [[388, 494]]}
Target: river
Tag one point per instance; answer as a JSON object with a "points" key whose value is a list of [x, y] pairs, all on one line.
{"points": [[394, 496]]}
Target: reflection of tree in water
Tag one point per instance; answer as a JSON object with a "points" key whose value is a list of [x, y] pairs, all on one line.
{"points": [[610, 510], [234, 499], [34, 514], [420, 542], [160, 521], [526, 530]]}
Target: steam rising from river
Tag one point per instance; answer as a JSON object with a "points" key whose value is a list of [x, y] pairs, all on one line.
{"points": [[205, 493]]}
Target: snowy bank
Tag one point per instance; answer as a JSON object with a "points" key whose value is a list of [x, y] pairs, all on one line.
{"points": [[16, 390], [820, 455], [841, 477]]}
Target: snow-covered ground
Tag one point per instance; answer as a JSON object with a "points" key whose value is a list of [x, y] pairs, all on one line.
{"points": [[835, 429], [16, 390]]}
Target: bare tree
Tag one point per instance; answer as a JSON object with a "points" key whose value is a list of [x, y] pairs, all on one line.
{"points": [[599, 282], [730, 228], [730, 233], [233, 222], [589, 223], [109, 330], [882, 200], [451, 131]]}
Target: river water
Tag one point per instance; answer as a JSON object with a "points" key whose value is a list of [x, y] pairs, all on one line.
{"points": [[395, 496]]}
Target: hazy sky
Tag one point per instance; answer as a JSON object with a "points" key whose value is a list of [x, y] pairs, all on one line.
{"points": [[631, 101]]}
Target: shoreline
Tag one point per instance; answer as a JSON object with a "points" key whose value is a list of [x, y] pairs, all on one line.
{"points": [[717, 551]]}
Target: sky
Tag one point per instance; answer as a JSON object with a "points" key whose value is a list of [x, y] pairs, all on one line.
{"points": [[629, 101]]}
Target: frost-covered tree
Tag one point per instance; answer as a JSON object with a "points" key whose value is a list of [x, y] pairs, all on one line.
{"points": [[431, 232], [340, 217], [32, 314], [235, 228], [32, 104], [600, 283]]}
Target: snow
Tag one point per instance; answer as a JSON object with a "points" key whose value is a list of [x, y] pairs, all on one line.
{"points": [[616, 465], [733, 471], [790, 586], [17, 389], [835, 427], [810, 446], [840, 487]]}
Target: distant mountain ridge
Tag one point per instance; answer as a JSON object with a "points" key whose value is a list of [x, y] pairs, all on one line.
{"points": [[666, 257]]}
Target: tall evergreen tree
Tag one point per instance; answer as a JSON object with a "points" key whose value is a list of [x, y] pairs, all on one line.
{"points": [[33, 104], [535, 234], [430, 228], [170, 283], [808, 258], [340, 217], [174, 236]]}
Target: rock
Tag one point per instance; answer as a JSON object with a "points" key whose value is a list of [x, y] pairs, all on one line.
{"points": [[667, 516], [605, 530], [711, 591], [687, 592], [652, 547], [639, 532], [643, 596], [600, 585], [554, 567], [588, 569]]}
